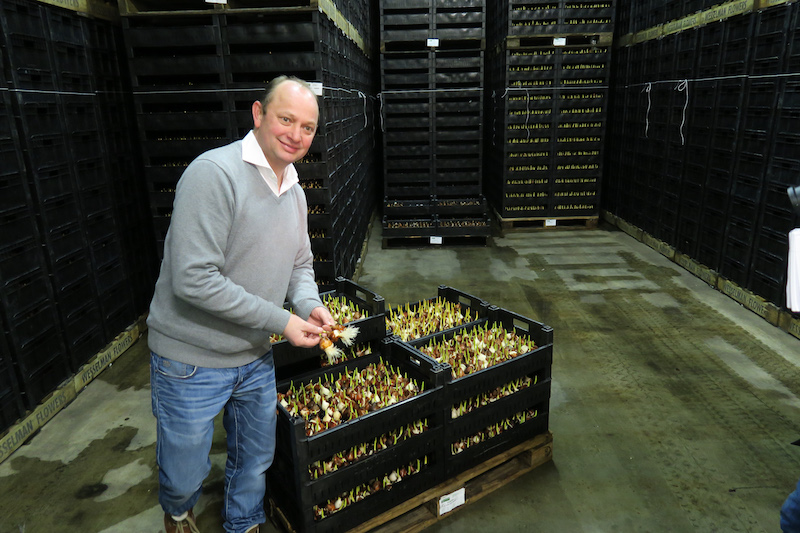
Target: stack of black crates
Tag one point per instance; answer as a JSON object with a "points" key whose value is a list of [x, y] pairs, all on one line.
{"points": [[547, 93], [76, 266], [197, 68], [432, 67], [325, 481], [706, 138]]}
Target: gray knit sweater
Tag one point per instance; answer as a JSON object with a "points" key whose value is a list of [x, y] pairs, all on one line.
{"points": [[234, 252]]}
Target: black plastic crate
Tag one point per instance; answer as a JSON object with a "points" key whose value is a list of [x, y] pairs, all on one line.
{"points": [[39, 113], [769, 40], [52, 370], [25, 291], [686, 236], [14, 193], [25, 17], [294, 490], [463, 226], [250, 62], [476, 205], [770, 266], [30, 327], [709, 50], [556, 17], [536, 365], [174, 51], [162, 110], [82, 321], [11, 406], [793, 40], [788, 113], [398, 207], [91, 172], [58, 211], [408, 227], [20, 257], [66, 27], [47, 148], [96, 199], [760, 104], [737, 32], [85, 343], [71, 67], [70, 268], [476, 307], [262, 68], [422, 449], [270, 27], [180, 152], [29, 63], [771, 288], [79, 113], [534, 402], [53, 181], [109, 270], [538, 360], [116, 305], [291, 360]]}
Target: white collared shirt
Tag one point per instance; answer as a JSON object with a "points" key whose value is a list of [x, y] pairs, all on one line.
{"points": [[252, 153]]}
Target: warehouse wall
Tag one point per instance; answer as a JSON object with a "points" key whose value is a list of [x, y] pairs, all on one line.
{"points": [[77, 258], [703, 133]]}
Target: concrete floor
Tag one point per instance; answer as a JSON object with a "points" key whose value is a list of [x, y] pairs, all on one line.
{"points": [[672, 409]]}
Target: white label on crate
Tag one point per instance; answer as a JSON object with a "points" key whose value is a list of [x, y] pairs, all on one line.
{"points": [[433, 43], [559, 41], [448, 502], [550, 222], [436, 240], [316, 86]]}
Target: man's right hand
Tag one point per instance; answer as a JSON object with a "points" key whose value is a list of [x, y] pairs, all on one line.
{"points": [[301, 333]]}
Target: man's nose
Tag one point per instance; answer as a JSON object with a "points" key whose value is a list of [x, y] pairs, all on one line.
{"points": [[295, 132]]}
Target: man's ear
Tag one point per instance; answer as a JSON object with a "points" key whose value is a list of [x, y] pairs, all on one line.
{"points": [[258, 114]]}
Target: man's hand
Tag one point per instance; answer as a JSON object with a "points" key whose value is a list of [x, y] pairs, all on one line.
{"points": [[320, 316], [301, 333]]}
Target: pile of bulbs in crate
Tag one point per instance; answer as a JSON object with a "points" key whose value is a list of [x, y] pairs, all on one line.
{"points": [[398, 400]]}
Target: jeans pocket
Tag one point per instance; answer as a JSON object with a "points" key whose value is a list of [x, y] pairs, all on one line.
{"points": [[172, 369]]}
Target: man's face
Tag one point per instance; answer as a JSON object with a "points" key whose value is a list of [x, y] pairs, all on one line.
{"points": [[286, 128]]}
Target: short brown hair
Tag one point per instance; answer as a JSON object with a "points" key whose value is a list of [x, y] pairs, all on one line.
{"points": [[270, 91]]}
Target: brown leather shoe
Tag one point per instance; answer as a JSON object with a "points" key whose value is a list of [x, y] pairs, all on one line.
{"points": [[187, 525]]}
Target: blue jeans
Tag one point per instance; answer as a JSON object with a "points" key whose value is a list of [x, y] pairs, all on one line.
{"points": [[186, 399], [790, 512]]}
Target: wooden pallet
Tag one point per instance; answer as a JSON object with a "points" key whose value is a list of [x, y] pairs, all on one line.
{"points": [[428, 241], [424, 510], [570, 39], [589, 222]]}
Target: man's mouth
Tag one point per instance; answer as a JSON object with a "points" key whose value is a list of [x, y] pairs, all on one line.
{"points": [[290, 147]]}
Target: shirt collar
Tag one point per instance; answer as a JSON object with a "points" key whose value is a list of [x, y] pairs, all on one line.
{"points": [[253, 154]]}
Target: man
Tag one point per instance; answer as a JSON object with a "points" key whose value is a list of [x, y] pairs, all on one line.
{"points": [[236, 249], [790, 512]]}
